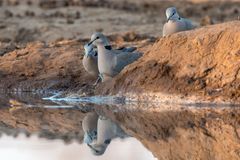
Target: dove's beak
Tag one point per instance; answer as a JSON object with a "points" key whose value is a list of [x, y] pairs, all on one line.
{"points": [[90, 43], [170, 17]]}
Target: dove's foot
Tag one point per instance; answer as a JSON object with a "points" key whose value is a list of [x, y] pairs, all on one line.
{"points": [[98, 80]]}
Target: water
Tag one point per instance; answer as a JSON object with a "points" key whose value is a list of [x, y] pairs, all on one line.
{"points": [[40, 126], [51, 124], [35, 148]]}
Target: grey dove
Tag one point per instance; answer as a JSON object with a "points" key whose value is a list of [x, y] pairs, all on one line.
{"points": [[175, 23], [110, 61], [90, 60]]}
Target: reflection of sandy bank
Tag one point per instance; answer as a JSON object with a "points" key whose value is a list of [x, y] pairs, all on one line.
{"points": [[201, 132]]}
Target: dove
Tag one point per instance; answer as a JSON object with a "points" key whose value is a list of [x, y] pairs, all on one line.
{"points": [[175, 23], [111, 61], [106, 131]]}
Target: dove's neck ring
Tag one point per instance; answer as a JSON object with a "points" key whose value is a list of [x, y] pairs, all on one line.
{"points": [[108, 47], [101, 49]]}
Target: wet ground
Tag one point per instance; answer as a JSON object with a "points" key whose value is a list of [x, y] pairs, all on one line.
{"points": [[160, 127]]}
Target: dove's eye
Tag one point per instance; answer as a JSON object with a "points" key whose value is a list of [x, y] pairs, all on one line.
{"points": [[107, 141]]}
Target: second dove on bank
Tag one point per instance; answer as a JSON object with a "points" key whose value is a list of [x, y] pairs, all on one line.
{"points": [[90, 61], [110, 61], [175, 23]]}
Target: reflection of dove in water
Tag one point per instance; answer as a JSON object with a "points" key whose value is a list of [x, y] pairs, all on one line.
{"points": [[175, 23], [110, 61], [106, 131], [89, 125]]}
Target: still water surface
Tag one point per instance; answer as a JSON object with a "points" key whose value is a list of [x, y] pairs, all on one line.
{"points": [[35, 148], [54, 126], [24, 143]]}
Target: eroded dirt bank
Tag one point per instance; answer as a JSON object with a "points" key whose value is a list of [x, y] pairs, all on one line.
{"points": [[203, 62], [178, 132]]}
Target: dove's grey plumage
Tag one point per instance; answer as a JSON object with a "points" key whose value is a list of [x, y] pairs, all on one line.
{"points": [[90, 61], [111, 62], [127, 49], [175, 23]]}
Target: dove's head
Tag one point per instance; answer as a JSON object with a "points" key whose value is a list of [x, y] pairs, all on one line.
{"points": [[98, 38], [89, 50], [172, 13], [89, 137], [99, 149]]}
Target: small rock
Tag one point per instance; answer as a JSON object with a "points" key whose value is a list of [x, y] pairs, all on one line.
{"points": [[13, 2], [8, 13], [130, 36], [78, 15], [99, 30], [19, 15], [235, 11], [5, 40], [29, 2], [58, 14], [29, 13], [207, 20], [2, 26], [70, 21]]}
